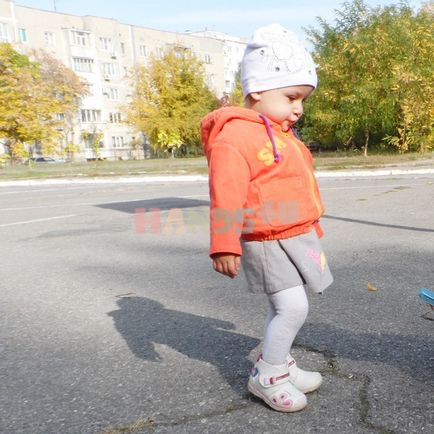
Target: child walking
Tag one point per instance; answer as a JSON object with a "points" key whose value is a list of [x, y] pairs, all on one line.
{"points": [[265, 205]]}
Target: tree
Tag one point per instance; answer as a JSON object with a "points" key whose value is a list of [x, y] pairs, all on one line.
{"points": [[18, 122], [36, 98], [236, 97], [169, 99], [66, 89], [93, 138], [372, 63], [414, 86]]}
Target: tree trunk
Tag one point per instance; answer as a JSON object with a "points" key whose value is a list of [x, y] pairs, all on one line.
{"points": [[365, 147], [11, 153]]}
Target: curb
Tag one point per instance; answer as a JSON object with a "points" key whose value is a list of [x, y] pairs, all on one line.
{"points": [[162, 179]]}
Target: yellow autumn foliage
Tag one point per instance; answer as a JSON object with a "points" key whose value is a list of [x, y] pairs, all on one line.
{"points": [[33, 92]]}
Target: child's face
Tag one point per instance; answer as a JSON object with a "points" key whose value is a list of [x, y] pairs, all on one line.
{"points": [[283, 106]]}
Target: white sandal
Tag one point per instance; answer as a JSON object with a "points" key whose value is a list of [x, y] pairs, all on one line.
{"points": [[271, 384], [305, 381]]}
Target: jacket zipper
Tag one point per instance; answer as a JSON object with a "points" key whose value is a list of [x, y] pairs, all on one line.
{"points": [[310, 174]]}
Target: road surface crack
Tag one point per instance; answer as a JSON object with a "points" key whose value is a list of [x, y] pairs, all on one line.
{"points": [[151, 423], [332, 368]]}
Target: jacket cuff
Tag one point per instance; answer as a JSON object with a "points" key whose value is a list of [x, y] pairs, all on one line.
{"points": [[229, 249]]}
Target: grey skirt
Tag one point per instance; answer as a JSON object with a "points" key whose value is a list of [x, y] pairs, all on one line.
{"points": [[275, 265]]}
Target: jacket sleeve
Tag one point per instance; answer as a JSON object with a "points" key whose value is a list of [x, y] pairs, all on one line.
{"points": [[229, 177]]}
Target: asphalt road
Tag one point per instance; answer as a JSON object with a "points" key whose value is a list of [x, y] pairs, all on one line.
{"points": [[112, 321]]}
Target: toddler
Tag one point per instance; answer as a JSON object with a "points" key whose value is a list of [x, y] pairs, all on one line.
{"points": [[265, 205]]}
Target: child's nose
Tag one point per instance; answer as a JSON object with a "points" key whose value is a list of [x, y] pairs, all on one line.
{"points": [[298, 109]]}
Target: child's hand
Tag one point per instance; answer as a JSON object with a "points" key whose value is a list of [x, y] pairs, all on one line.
{"points": [[227, 264]]}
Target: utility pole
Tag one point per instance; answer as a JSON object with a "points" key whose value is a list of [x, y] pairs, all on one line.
{"points": [[55, 5]]}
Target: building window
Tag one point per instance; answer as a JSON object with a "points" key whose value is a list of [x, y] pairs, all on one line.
{"points": [[207, 58], [109, 69], [210, 81], [50, 39], [82, 64], [143, 51], [106, 44], [111, 93], [23, 35], [4, 34], [80, 38], [117, 141], [160, 52], [180, 52], [123, 48], [115, 118], [91, 139], [90, 115], [89, 88]]}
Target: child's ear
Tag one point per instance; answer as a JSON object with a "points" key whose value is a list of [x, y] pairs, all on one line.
{"points": [[256, 96]]}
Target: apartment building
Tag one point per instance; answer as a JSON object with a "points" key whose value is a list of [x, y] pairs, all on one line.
{"points": [[102, 51], [233, 49]]}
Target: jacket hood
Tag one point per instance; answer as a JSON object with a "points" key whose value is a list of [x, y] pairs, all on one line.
{"points": [[213, 122]]}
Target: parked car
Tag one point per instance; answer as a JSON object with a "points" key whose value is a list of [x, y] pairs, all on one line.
{"points": [[46, 160], [314, 147]]}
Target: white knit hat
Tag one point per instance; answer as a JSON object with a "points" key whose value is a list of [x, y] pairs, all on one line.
{"points": [[275, 58]]}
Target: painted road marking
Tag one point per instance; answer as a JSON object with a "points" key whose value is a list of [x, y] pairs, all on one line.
{"points": [[37, 220]]}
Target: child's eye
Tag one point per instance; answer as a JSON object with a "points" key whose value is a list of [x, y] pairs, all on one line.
{"points": [[291, 98]]}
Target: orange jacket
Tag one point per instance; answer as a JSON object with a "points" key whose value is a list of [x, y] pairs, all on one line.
{"points": [[257, 192]]}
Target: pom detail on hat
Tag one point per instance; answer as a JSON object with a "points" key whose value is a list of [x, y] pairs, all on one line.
{"points": [[275, 58]]}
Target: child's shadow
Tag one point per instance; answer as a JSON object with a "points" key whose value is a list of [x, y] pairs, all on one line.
{"points": [[142, 322]]}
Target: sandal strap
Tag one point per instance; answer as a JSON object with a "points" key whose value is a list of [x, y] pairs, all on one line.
{"points": [[270, 381], [291, 363]]}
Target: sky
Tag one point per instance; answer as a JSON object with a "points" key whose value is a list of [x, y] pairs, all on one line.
{"points": [[238, 18]]}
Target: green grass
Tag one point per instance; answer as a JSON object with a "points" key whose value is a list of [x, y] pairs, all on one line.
{"points": [[323, 161]]}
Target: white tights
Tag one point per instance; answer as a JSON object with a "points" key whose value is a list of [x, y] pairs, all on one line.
{"points": [[287, 313]]}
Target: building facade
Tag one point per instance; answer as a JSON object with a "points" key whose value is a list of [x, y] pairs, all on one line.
{"points": [[233, 49], [102, 52]]}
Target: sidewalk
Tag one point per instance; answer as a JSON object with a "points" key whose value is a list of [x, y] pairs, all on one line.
{"points": [[395, 170]]}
